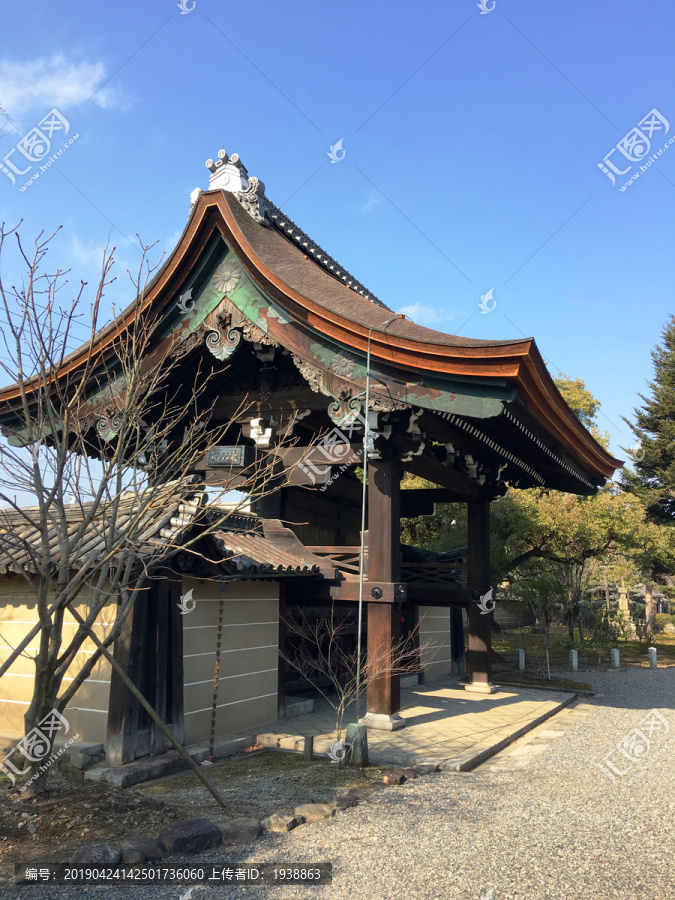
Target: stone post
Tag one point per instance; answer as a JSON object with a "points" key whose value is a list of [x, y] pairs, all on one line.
{"points": [[357, 741], [574, 660], [652, 657], [614, 654], [521, 660]]}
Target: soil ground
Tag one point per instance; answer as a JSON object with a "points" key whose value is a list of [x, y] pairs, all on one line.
{"points": [[71, 813]]}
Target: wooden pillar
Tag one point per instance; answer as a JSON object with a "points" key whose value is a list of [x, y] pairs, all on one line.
{"points": [[479, 579], [384, 565]]}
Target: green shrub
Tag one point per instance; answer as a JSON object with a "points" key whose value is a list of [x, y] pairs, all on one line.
{"points": [[662, 619]]}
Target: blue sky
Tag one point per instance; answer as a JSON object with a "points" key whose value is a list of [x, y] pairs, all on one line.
{"points": [[471, 141]]}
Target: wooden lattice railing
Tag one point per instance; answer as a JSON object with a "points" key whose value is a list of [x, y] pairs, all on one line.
{"points": [[441, 573]]}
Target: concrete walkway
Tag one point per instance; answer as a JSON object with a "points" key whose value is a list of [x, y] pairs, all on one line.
{"points": [[444, 724]]}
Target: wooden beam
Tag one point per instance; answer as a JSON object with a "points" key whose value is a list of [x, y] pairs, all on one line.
{"points": [[422, 501], [310, 591], [438, 595], [128, 683], [373, 591], [461, 485]]}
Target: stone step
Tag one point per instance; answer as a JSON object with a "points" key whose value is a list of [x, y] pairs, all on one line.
{"points": [[297, 706], [151, 767]]}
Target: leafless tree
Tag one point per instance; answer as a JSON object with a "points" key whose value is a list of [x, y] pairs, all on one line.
{"points": [[317, 650], [99, 441]]}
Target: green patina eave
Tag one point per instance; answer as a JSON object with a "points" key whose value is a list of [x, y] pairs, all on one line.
{"points": [[247, 296], [460, 395], [198, 296]]}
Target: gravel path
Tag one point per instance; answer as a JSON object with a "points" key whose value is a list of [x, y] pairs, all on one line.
{"points": [[526, 826]]}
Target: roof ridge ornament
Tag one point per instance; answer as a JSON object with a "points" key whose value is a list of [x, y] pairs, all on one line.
{"points": [[228, 173]]}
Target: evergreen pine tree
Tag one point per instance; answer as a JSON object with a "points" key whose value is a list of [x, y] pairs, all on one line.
{"points": [[653, 475]]}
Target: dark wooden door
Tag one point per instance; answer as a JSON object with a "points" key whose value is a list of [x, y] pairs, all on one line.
{"points": [[150, 649]]}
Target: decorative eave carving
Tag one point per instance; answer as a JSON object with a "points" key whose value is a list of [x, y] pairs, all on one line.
{"points": [[346, 406], [378, 403], [312, 374], [222, 342], [416, 434], [255, 335], [108, 424], [254, 201]]}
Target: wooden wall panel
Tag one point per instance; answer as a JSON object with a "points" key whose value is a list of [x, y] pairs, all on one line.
{"points": [[87, 713], [435, 631], [248, 673]]}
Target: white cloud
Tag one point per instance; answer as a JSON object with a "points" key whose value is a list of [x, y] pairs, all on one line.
{"points": [[42, 83], [86, 254], [371, 203], [425, 315]]}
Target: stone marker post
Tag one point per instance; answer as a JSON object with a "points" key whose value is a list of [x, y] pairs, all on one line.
{"points": [[614, 654], [652, 657], [357, 741], [521, 660], [574, 660]]}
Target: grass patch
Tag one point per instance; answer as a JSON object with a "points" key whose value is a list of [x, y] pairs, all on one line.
{"points": [[508, 643]]}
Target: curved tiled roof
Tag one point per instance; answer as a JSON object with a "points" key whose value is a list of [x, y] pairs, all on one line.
{"points": [[316, 295], [152, 518]]}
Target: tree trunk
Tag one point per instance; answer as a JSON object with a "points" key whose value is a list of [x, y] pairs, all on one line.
{"points": [[649, 614]]}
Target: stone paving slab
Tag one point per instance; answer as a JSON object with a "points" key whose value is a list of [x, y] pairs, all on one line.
{"points": [[444, 724]]}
